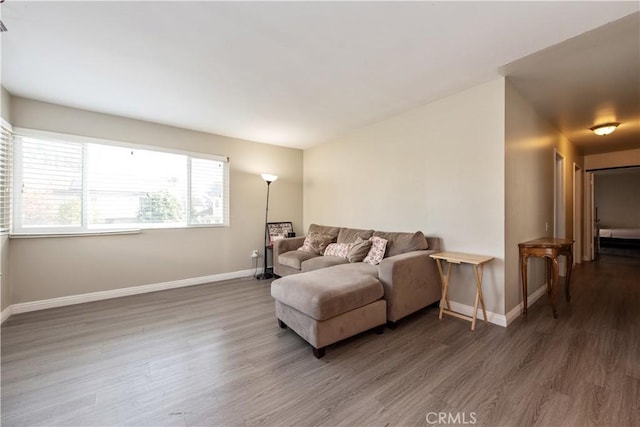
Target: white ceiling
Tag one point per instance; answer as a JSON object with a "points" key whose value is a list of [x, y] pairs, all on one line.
{"points": [[586, 81], [287, 73]]}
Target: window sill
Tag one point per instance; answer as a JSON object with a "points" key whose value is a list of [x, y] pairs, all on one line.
{"points": [[73, 234]]}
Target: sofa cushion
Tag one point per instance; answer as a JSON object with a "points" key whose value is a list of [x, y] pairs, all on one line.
{"points": [[294, 259], [322, 262], [338, 249], [359, 250], [399, 243], [376, 253], [325, 229], [315, 243], [326, 293], [350, 235]]}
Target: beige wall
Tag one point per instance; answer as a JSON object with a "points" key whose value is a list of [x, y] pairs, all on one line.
{"points": [[530, 141], [45, 268], [617, 198], [614, 159], [5, 104], [438, 168]]}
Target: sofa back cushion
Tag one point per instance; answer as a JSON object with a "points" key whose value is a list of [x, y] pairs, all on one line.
{"points": [[350, 235], [399, 243], [325, 229]]}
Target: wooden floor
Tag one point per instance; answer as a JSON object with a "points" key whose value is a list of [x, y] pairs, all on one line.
{"points": [[214, 355]]}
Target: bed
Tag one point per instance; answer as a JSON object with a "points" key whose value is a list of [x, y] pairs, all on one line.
{"points": [[620, 237]]}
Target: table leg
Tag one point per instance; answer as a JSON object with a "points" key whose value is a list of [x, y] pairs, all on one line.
{"points": [[477, 271], [547, 263], [445, 286], [554, 287], [523, 271], [568, 281]]}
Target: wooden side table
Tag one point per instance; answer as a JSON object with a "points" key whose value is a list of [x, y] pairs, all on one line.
{"points": [[478, 262], [550, 248]]}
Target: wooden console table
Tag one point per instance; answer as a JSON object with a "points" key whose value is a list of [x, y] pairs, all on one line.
{"points": [[549, 248], [477, 261]]}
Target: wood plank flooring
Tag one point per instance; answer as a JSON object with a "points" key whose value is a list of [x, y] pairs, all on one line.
{"points": [[214, 355]]}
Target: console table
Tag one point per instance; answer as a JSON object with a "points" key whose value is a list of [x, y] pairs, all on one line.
{"points": [[549, 248], [477, 261]]}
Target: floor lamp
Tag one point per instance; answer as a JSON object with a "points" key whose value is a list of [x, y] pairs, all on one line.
{"points": [[268, 178]]}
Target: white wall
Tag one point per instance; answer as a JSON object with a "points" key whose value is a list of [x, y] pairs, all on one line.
{"points": [[55, 267], [617, 198], [530, 141], [614, 159], [438, 168]]}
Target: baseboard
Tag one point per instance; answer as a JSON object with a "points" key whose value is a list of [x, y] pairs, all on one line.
{"points": [[122, 292], [5, 314], [517, 310], [467, 310]]}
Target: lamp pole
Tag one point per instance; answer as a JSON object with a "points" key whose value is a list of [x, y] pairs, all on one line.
{"points": [[265, 274]]}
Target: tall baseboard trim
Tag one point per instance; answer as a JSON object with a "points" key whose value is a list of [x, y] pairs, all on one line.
{"points": [[122, 292], [467, 310], [5, 314], [517, 310]]}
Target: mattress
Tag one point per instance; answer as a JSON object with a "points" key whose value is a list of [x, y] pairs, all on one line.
{"points": [[620, 233]]}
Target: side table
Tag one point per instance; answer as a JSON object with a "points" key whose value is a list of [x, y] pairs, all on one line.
{"points": [[477, 262], [549, 248]]}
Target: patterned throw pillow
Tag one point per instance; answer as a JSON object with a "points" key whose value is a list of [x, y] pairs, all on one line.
{"points": [[359, 249], [338, 249], [315, 243], [376, 253]]}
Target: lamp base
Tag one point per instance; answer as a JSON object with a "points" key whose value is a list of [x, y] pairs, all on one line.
{"points": [[264, 276]]}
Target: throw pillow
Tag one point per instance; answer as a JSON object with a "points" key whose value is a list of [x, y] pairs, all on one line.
{"points": [[316, 243], [376, 253], [359, 249], [338, 249]]}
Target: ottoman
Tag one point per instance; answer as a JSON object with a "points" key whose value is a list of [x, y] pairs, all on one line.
{"points": [[328, 305]]}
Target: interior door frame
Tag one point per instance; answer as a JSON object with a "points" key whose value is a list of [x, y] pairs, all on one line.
{"points": [[577, 213], [559, 202]]}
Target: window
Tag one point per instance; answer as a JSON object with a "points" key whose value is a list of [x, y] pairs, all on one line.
{"points": [[5, 176], [63, 184]]}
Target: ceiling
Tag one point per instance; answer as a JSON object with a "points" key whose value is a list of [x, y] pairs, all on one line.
{"points": [[586, 81], [287, 73]]}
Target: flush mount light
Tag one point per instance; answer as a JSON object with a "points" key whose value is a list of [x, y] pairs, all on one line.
{"points": [[605, 129]]}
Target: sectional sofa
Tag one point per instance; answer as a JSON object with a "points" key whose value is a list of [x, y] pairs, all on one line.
{"points": [[328, 297]]}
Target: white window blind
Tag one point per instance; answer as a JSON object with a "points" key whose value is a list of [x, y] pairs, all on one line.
{"points": [[6, 157], [67, 185]]}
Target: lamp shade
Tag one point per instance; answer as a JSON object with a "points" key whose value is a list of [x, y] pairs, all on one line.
{"points": [[269, 177]]}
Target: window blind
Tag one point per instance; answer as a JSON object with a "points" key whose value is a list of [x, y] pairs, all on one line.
{"points": [[6, 158]]}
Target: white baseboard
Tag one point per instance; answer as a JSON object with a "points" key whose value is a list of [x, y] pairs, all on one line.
{"points": [[495, 318], [517, 310], [122, 292], [467, 310], [5, 314]]}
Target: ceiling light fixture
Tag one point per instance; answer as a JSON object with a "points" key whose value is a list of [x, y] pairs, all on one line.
{"points": [[605, 129]]}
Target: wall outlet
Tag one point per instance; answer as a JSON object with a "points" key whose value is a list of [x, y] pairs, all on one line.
{"points": [[546, 226], [254, 253]]}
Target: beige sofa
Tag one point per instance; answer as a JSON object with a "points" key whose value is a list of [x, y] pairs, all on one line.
{"points": [[327, 298]]}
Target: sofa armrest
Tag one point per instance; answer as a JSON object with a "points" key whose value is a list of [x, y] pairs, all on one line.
{"points": [[410, 281], [284, 245]]}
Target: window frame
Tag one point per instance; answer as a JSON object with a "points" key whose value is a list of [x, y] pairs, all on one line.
{"points": [[6, 204], [17, 230]]}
